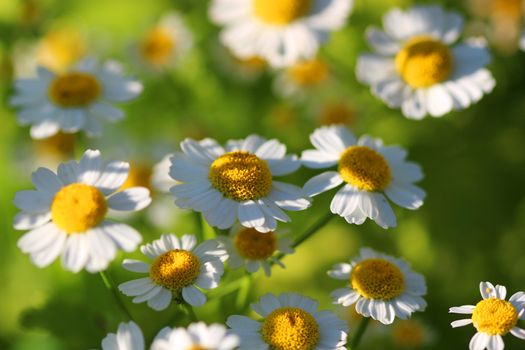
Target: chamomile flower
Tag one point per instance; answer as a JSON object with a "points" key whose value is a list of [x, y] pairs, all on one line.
{"points": [[164, 44], [196, 336], [493, 317], [253, 249], [289, 321], [415, 68], [369, 170], [302, 77], [381, 286], [177, 269], [412, 334], [280, 31], [236, 182], [66, 214], [128, 337], [78, 99]]}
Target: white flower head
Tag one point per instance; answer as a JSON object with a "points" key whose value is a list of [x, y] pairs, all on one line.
{"points": [[415, 68], [78, 99], [164, 44], [160, 177], [381, 286], [370, 172], [253, 249], [236, 182], [196, 336], [303, 77], [66, 214], [128, 337], [290, 321], [177, 269], [280, 31], [493, 317]]}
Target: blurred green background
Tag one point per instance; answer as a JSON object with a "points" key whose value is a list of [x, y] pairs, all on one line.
{"points": [[470, 229]]}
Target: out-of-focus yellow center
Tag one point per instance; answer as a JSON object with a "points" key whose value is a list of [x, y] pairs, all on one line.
{"points": [[424, 62], [377, 279], [494, 316], [74, 89], [337, 113], [175, 269], [254, 245], [364, 168], [308, 73], [253, 63], [139, 176], [510, 9], [60, 145], [280, 12], [60, 48], [78, 207], [408, 333], [241, 176], [290, 328], [157, 46]]}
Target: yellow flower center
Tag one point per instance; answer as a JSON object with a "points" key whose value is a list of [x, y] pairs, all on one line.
{"points": [[78, 207], [61, 145], [139, 176], [280, 12], [60, 48], [408, 333], [157, 46], [74, 89], [423, 62], [253, 63], [255, 245], [290, 328], [308, 73], [197, 347], [175, 269], [364, 168], [337, 113], [494, 316], [241, 176], [377, 279]]}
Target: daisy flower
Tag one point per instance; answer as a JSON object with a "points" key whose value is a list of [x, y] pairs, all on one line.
{"points": [[165, 43], [369, 170], [196, 336], [280, 31], [236, 182], [128, 337], [290, 321], [302, 77], [72, 101], [381, 286], [253, 249], [177, 269], [66, 214], [493, 317], [412, 334], [416, 68]]}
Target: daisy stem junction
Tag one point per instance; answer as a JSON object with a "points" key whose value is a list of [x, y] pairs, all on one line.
{"points": [[359, 333], [190, 312], [110, 285]]}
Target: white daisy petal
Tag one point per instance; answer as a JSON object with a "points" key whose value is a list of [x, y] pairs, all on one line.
{"points": [[518, 332], [321, 183], [113, 177], [461, 323], [465, 309], [479, 341], [193, 296], [131, 199]]}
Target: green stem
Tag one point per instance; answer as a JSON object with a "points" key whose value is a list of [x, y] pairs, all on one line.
{"points": [[199, 228], [110, 285], [244, 292], [228, 288], [190, 312], [310, 231], [359, 333]]}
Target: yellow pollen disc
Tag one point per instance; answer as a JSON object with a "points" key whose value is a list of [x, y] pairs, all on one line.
{"points": [[377, 279], [253, 63], [241, 176], [364, 168], [175, 269], [254, 245], [61, 145], [78, 207], [290, 328], [157, 46], [74, 89], [139, 176], [423, 62], [494, 316], [408, 333], [308, 73], [280, 12], [337, 113]]}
